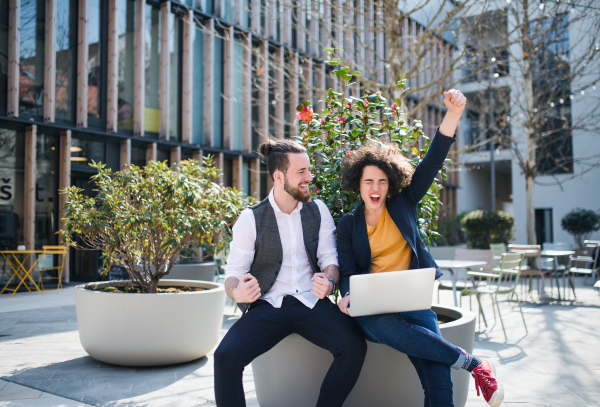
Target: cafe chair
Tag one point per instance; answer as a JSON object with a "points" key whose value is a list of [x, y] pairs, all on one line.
{"points": [[501, 281], [47, 265], [536, 268], [584, 263]]}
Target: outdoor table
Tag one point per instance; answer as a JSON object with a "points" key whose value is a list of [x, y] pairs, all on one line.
{"points": [[19, 269], [451, 265], [556, 254]]}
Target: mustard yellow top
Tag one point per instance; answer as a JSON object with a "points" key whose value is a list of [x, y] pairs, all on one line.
{"points": [[389, 250]]}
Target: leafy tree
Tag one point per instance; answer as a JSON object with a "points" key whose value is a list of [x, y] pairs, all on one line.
{"points": [[581, 223], [143, 217], [485, 227], [345, 125]]}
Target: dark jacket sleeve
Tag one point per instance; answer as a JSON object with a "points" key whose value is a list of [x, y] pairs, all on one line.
{"points": [[347, 262], [428, 168]]}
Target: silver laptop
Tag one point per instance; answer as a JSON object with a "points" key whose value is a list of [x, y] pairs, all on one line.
{"points": [[389, 292]]}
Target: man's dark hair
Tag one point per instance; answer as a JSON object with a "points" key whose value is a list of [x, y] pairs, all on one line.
{"points": [[274, 154], [388, 158]]}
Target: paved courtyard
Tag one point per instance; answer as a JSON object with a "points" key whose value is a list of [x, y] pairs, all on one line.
{"points": [[43, 364]]}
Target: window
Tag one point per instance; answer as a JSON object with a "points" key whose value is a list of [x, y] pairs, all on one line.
{"points": [[31, 63], [126, 33], [96, 83], [198, 87], [12, 183], [66, 62], [3, 55], [175, 77], [46, 190], [152, 64], [551, 91]]}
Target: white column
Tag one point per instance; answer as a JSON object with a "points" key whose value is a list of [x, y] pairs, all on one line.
{"points": [[187, 78], [294, 92], [228, 89], [280, 95], [139, 78], [209, 56], [413, 41], [50, 63], [238, 12], [14, 44], [264, 91], [360, 30], [247, 94], [82, 65], [165, 72], [112, 77], [219, 8]]}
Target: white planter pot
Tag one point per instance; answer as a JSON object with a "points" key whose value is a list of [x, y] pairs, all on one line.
{"points": [[149, 329], [204, 271], [292, 372]]}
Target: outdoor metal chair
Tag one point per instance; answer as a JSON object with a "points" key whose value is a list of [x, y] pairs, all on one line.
{"points": [[501, 280], [498, 249], [585, 263], [48, 253], [535, 268]]}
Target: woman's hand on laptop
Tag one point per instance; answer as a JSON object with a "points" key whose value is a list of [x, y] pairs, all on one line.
{"points": [[322, 287], [344, 303], [247, 290]]}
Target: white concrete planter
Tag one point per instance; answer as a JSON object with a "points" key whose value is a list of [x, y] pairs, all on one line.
{"points": [[292, 372], [204, 271], [149, 329]]}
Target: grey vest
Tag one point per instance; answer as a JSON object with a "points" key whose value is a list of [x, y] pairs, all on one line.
{"points": [[268, 252]]}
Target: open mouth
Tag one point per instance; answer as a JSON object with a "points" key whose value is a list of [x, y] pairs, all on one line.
{"points": [[303, 187], [375, 198]]}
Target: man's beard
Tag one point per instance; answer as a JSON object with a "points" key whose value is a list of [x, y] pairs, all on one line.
{"points": [[295, 191]]}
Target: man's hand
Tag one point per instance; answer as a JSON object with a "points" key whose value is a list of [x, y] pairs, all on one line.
{"points": [[455, 101], [247, 290], [344, 304], [322, 287]]}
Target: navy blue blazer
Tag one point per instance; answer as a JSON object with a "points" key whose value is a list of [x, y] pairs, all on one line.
{"points": [[354, 252]]}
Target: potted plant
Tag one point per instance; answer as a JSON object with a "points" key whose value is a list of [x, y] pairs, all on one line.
{"points": [[140, 219], [581, 223], [342, 127], [485, 227]]}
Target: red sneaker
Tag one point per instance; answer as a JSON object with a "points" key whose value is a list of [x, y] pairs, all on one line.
{"points": [[485, 379]]}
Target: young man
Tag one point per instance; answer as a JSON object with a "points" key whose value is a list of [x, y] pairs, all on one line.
{"points": [[281, 268]]}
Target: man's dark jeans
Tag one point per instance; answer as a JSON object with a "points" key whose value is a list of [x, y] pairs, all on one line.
{"points": [[263, 326], [417, 334]]}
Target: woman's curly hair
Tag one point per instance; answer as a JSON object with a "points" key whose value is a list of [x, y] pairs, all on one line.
{"points": [[388, 158]]}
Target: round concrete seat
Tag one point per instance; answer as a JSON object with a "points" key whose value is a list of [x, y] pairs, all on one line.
{"points": [[291, 373]]}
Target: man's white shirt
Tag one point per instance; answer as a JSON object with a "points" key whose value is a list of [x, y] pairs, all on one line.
{"points": [[295, 274]]}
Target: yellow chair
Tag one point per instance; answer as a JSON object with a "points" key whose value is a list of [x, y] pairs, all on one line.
{"points": [[51, 251]]}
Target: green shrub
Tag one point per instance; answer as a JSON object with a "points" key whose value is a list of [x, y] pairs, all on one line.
{"points": [[143, 217], [450, 229], [581, 223], [484, 227], [347, 123]]}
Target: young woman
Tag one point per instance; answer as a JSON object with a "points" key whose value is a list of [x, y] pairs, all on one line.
{"points": [[382, 235]]}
